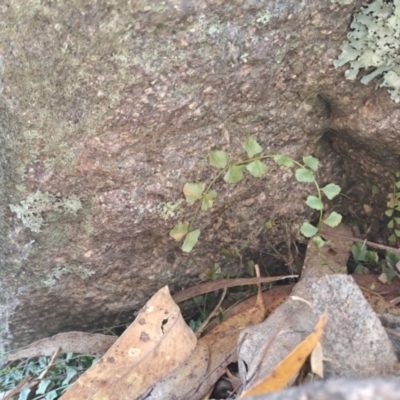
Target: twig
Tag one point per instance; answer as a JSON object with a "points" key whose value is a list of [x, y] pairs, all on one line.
{"points": [[221, 284], [17, 388], [371, 244], [201, 328]]}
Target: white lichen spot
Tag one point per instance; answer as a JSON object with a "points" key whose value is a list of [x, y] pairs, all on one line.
{"points": [[373, 44], [168, 210], [60, 270], [263, 17], [30, 210]]}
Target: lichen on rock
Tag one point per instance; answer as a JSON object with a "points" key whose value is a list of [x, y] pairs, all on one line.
{"points": [[60, 270], [373, 43], [30, 210]]}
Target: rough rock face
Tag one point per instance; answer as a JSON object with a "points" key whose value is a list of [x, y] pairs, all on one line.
{"points": [[108, 107]]}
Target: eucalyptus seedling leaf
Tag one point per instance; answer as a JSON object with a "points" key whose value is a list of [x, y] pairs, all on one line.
{"points": [[234, 174], [304, 175], [314, 202], [42, 387], [308, 230], [318, 241], [193, 191], [257, 168], [389, 213], [218, 158], [190, 241], [207, 200], [311, 162], [390, 224], [286, 161], [179, 231], [331, 190], [333, 219], [251, 146]]}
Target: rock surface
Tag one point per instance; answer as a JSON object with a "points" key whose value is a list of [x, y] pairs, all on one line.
{"points": [[109, 107]]}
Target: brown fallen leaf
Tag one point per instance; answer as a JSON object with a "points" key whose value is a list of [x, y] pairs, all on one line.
{"points": [[156, 343], [221, 343], [93, 344], [288, 367], [262, 347], [179, 383]]}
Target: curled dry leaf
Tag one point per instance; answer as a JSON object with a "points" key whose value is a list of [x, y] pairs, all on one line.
{"points": [[286, 369], [156, 343], [93, 344], [221, 345]]}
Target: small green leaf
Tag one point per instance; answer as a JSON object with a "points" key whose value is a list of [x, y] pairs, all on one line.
{"points": [[311, 162], [390, 274], [389, 213], [207, 200], [234, 174], [314, 202], [372, 287], [179, 231], [190, 241], [257, 168], [391, 257], [23, 394], [359, 251], [333, 219], [268, 225], [226, 252], [397, 184], [397, 220], [193, 191], [393, 200], [372, 257], [286, 161], [71, 372], [52, 395], [392, 238], [375, 189], [331, 190], [218, 158], [318, 241], [304, 175], [251, 146], [308, 230], [390, 224], [42, 387], [250, 270], [397, 232], [397, 174], [359, 270]]}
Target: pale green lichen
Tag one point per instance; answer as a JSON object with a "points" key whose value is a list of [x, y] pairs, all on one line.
{"points": [[263, 17], [30, 210], [374, 43], [60, 270], [168, 210]]}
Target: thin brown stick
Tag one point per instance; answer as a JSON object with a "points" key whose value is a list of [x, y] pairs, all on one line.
{"points": [[201, 328], [221, 284], [392, 332], [367, 242], [17, 388]]}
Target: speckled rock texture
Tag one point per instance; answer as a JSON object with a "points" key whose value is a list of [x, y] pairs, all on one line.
{"points": [[108, 107]]}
